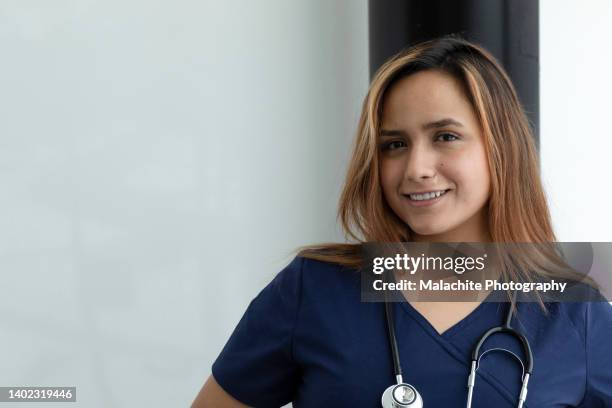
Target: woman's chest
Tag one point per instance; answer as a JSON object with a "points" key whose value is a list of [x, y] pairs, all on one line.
{"points": [[346, 361]]}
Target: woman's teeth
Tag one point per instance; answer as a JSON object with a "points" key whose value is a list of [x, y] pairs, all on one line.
{"points": [[427, 196]]}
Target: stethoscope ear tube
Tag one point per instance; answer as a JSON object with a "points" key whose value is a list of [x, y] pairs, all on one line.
{"points": [[506, 328], [528, 367], [509, 330]]}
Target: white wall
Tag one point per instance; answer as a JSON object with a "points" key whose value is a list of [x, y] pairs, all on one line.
{"points": [[576, 136], [159, 161]]}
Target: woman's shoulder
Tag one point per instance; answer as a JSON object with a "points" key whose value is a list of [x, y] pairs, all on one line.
{"points": [[312, 269], [582, 301], [592, 321], [589, 317], [318, 267], [305, 280]]}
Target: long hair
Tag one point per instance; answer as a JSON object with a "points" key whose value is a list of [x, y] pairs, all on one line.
{"points": [[517, 208]]}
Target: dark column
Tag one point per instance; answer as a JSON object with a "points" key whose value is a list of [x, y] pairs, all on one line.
{"points": [[507, 28]]}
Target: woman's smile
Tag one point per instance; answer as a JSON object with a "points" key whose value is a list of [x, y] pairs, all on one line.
{"points": [[427, 199]]}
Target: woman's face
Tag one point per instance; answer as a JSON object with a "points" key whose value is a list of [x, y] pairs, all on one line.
{"points": [[431, 141]]}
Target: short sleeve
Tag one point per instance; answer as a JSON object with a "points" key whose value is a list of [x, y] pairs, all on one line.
{"points": [[256, 365], [599, 355]]}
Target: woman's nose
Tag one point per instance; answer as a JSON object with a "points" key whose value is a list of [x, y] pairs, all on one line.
{"points": [[421, 163]]}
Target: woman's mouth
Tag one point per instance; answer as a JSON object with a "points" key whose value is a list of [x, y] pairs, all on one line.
{"points": [[427, 199]]}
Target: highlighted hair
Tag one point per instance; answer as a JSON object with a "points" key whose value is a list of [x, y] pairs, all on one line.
{"points": [[517, 208]]}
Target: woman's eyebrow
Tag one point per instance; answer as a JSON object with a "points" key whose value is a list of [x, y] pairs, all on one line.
{"points": [[431, 125]]}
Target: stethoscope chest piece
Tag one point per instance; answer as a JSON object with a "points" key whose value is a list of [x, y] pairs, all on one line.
{"points": [[401, 396]]}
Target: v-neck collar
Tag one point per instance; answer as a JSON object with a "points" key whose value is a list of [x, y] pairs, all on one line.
{"points": [[455, 328], [445, 340]]}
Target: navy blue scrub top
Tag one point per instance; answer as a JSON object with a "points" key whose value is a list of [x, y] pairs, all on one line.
{"points": [[308, 338]]}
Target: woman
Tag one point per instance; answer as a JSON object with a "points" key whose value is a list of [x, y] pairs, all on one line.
{"points": [[440, 117]]}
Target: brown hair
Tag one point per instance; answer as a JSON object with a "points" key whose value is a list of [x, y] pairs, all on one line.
{"points": [[517, 209]]}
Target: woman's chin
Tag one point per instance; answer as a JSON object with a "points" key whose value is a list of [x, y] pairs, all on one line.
{"points": [[428, 231]]}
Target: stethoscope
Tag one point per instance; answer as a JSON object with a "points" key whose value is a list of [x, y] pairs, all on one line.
{"points": [[402, 395]]}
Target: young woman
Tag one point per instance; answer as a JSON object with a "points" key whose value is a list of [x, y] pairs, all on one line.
{"points": [[439, 117]]}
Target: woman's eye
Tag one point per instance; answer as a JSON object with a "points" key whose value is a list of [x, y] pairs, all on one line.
{"points": [[446, 136], [396, 144]]}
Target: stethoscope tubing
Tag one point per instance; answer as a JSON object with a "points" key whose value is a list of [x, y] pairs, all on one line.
{"points": [[506, 328]]}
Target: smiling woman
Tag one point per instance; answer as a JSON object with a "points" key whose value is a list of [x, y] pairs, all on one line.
{"points": [[434, 172], [443, 153]]}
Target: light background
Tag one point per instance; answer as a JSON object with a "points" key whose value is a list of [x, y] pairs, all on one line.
{"points": [[161, 160]]}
